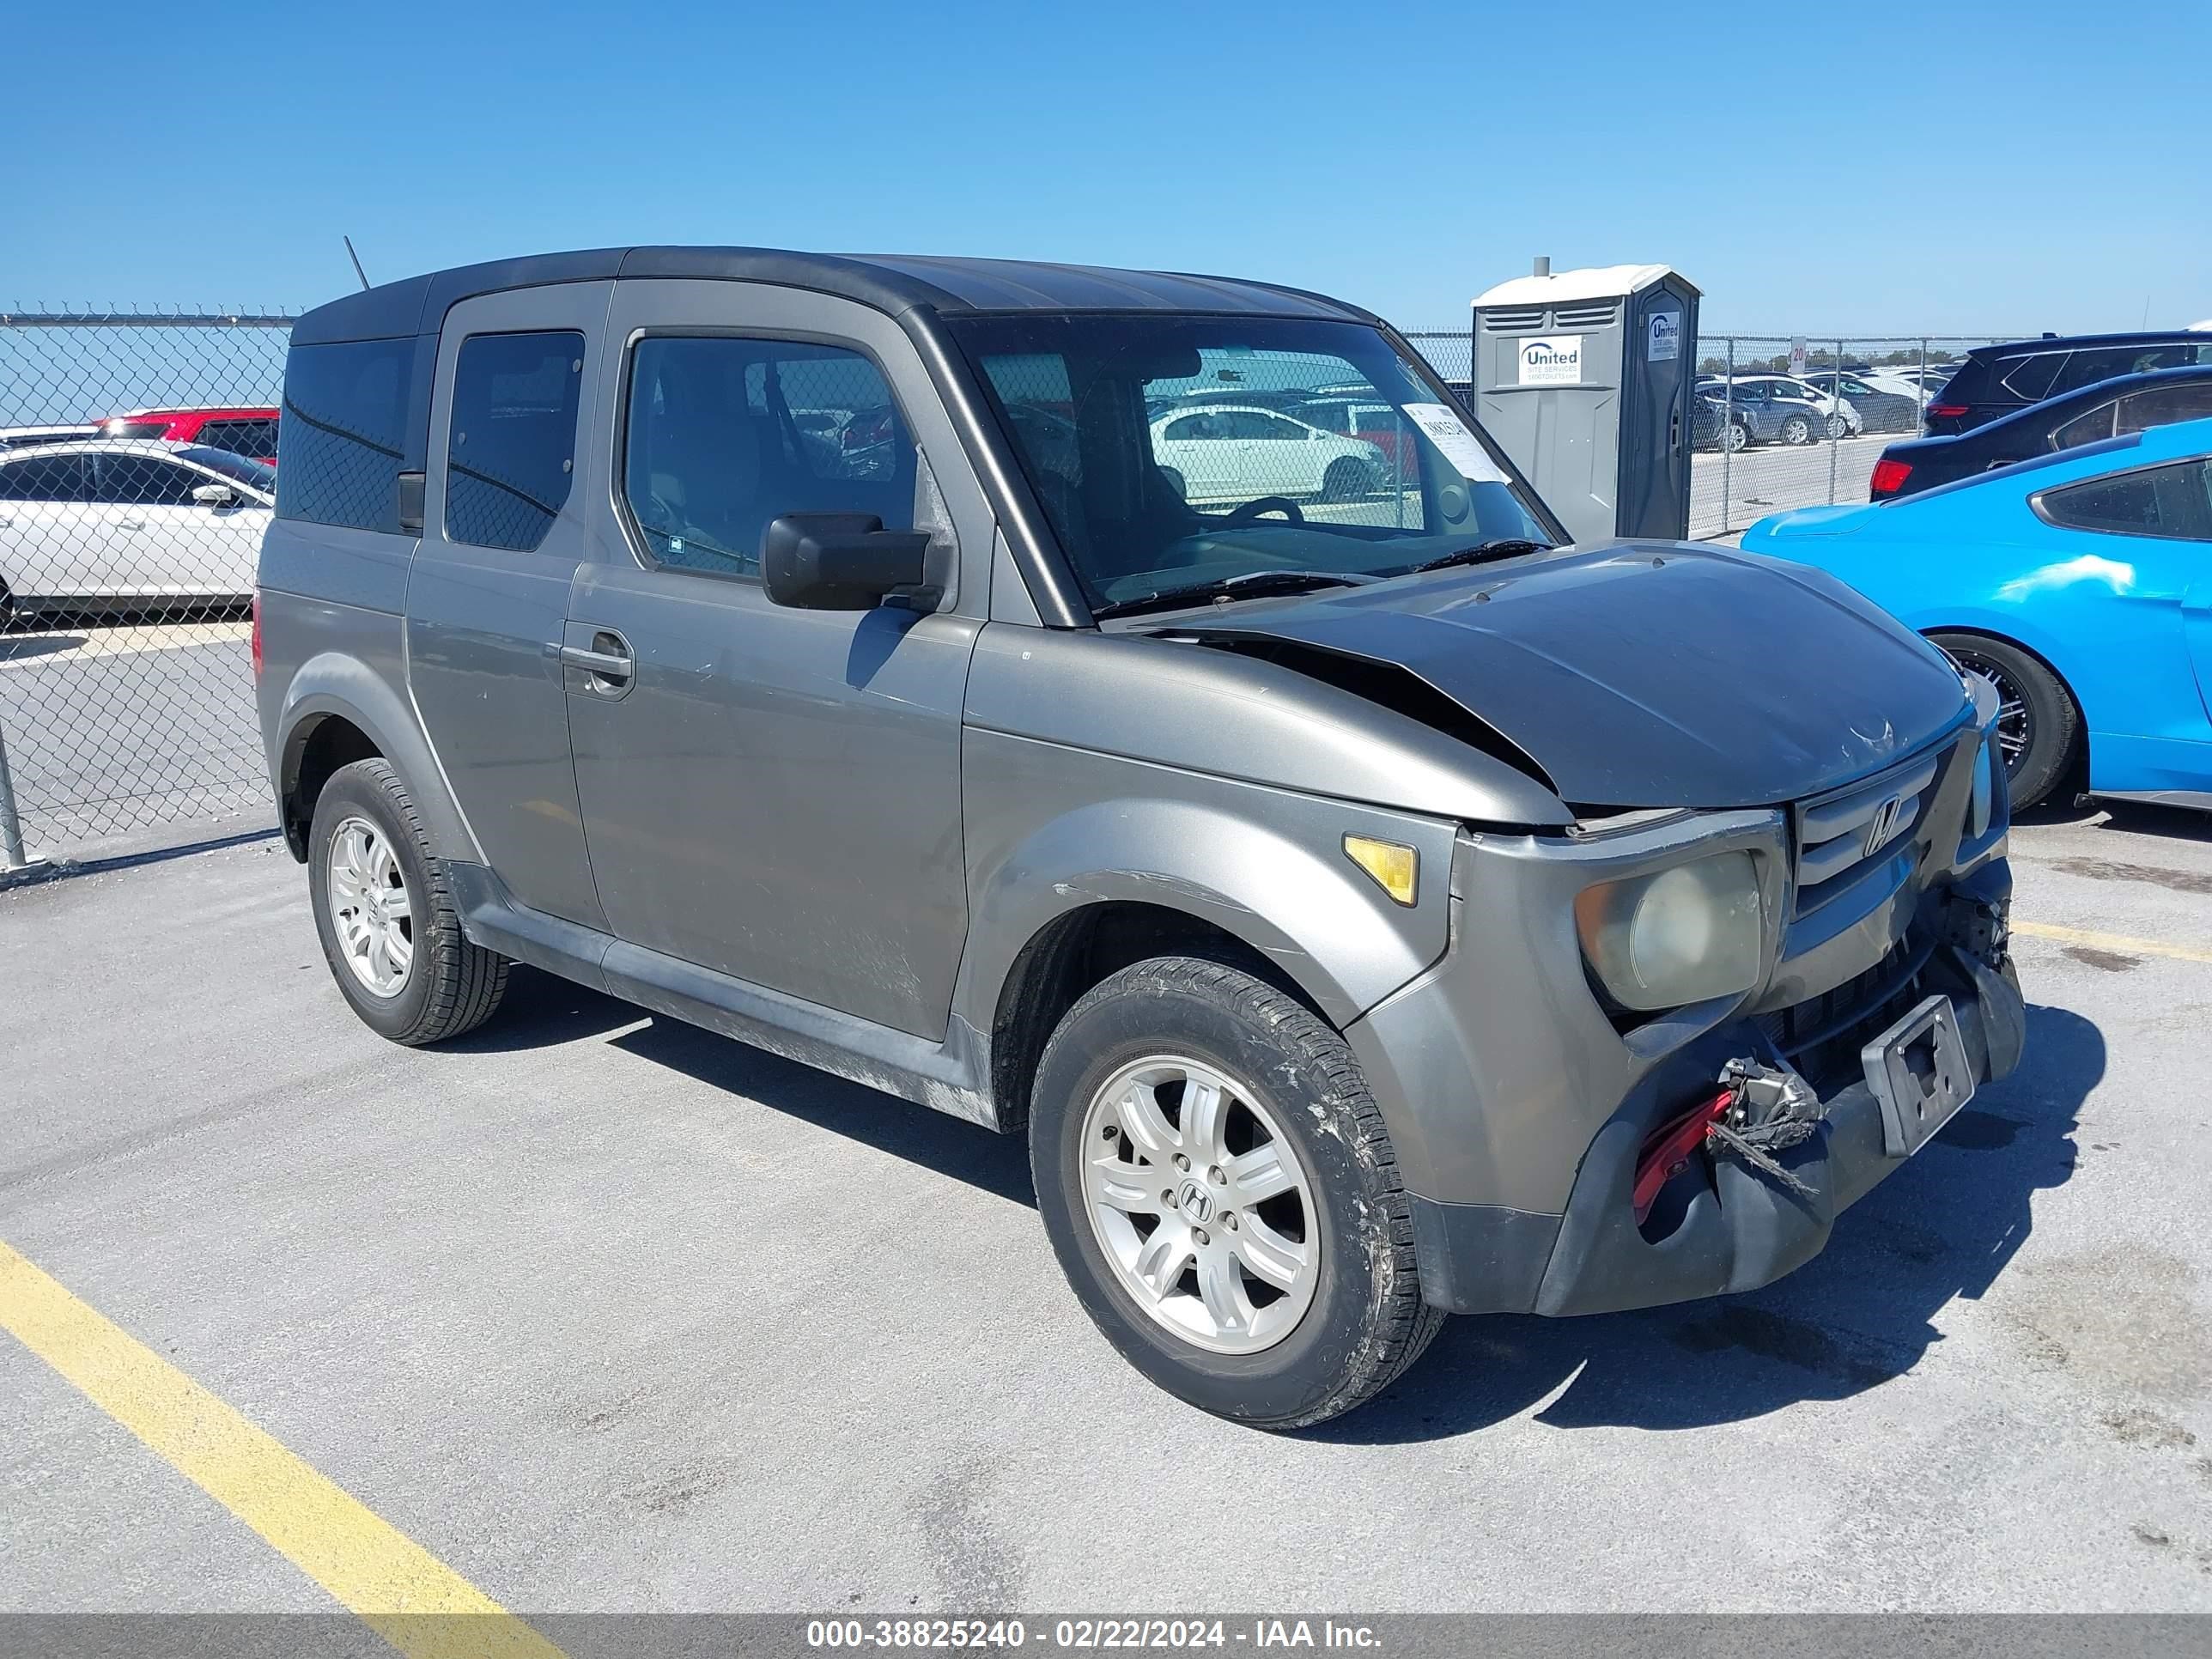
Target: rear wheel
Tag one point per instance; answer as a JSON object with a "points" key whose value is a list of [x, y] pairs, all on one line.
{"points": [[385, 915], [1220, 1188], [2038, 725], [1797, 430]]}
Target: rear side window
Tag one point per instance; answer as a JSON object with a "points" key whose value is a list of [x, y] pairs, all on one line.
{"points": [[2166, 405], [43, 479], [2169, 501], [511, 445], [725, 434], [2084, 428], [2030, 378], [255, 438], [345, 425]]}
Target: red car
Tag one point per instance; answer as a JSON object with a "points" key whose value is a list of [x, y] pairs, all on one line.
{"points": [[248, 432]]}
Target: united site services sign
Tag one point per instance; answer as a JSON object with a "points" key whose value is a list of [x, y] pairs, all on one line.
{"points": [[1551, 360]]}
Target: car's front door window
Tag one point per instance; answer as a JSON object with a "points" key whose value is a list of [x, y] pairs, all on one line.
{"points": [[715, 449]]}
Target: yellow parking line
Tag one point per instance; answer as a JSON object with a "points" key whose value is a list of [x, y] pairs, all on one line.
{"points": [[412, 1599], [2119, 942]]}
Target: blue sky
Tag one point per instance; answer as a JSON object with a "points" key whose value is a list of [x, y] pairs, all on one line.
{"points": [[1951, 168]]}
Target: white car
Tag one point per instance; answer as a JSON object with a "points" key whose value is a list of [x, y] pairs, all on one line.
{"points": [[1230, 451], [23, 437], [113, 524]]}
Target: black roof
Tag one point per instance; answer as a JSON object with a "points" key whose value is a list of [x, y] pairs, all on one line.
{"points": [[2071, 342], [893, 282]]}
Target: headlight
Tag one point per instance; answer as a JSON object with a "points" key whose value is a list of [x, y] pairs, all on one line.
{"points": [[1676, 936], [1985, 788]]}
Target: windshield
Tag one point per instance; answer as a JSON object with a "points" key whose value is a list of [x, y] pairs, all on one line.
{"points": [[250, 473], [1172, 452]]}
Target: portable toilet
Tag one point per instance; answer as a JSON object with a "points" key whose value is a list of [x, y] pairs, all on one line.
{"points": [[1585, 378]]}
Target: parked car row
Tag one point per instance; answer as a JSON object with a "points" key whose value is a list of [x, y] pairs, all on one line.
{"points": [[249, 430], [101, 523], [2076, 581]]}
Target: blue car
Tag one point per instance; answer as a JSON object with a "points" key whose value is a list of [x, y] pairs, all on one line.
{"points": [[2079, 584]]}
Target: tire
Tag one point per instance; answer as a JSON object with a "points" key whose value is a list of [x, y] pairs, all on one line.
{"points": [[1734, 437], [447, 986], [1344, 480], [1797, 430], [1350, 1319], [2039, 726], [1839, 428], [1176, 483]]}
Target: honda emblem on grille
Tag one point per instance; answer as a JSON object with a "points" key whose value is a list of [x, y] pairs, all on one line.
{"points": [[1882, 828]]}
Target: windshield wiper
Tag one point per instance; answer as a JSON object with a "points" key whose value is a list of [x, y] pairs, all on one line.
{"points": [[1501, 547], [1251, 584]]}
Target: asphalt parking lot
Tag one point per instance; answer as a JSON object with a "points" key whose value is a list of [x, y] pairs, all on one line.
{"points": [[607, 1314]]}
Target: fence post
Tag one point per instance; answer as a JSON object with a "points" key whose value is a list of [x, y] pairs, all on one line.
{"points": [[1727, 428], [1921, 380], [1836, 439], [12, 827]]}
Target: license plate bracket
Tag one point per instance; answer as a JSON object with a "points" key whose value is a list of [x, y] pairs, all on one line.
{"points": [[1920, 1075]]}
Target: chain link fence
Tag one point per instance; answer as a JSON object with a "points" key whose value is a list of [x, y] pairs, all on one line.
{"points": [[1781, 421], [137, 456], [137, 474]]}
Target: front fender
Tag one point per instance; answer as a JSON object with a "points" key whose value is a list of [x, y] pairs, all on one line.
{"points": [[1052, 829]]}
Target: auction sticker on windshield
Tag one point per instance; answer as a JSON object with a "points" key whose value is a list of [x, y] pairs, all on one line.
{"points": [[1454, 442]]}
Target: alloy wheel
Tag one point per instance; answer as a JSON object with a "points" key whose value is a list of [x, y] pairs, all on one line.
{"points": [[371, 910], [2015, 722], [1202, 1206]]}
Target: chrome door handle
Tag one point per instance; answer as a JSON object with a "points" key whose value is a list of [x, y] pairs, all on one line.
{"points": [[607, 664], [133, 524]]}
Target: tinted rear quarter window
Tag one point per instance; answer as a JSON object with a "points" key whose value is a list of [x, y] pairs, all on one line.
{"points": [[2168, 502], [2031, 378], [255, 438], [511, 444], [345, 425]]}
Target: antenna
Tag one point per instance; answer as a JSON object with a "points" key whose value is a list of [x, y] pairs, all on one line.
{"points": [[356, 257]]}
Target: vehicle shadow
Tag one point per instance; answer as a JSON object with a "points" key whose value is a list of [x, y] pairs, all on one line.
{"points": [[542, 1011], [21, 648], [1853, 1318]]}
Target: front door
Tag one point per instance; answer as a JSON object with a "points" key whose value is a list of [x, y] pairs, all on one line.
{"points": [[503, 531], [774, 794]]}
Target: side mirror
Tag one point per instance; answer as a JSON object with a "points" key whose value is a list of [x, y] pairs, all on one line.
{"points": [[840, 561], [214, 495]]}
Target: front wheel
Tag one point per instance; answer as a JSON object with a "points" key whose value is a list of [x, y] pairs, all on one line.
{"points": [[1839, 428], [1797, 430], [1734, 436], [386, 917], [1220, 1190], [2038, 725], [1345, 480]]}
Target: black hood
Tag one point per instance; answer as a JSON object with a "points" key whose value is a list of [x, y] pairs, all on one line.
{"points": [[1645, 675]]}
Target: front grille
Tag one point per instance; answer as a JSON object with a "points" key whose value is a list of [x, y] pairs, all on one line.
{"points": [[1862, 833], [1822, 1036]]}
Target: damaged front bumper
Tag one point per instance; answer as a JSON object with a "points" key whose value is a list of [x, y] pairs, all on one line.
{"points": [[1521, 1110]]}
